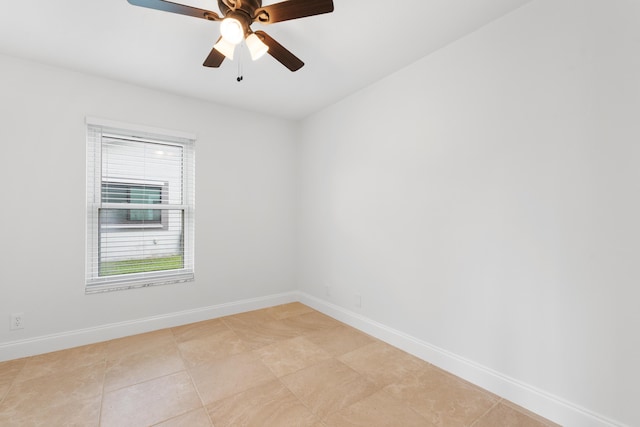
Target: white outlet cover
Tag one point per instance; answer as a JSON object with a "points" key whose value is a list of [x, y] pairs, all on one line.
{"points": [[17, 321]]}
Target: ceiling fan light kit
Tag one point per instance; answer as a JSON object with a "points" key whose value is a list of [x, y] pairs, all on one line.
{"points": [[256, 47], [237, 17], [231, 30], [225, 47]]}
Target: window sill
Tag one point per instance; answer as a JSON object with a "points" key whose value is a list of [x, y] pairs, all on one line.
{"points": [[135, 281]]}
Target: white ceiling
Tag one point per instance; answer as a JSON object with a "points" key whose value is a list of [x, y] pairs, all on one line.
{"points": [[344, 51]]}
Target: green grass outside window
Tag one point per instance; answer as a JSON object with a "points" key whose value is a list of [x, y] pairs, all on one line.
{"points": [[112, 268]]}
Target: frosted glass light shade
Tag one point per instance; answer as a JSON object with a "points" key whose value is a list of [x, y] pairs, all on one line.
{"points": [[225, 48], [231, 29], [256, 47]]}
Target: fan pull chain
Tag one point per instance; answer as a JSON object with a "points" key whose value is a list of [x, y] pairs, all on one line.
{"points": [[240, 73]]}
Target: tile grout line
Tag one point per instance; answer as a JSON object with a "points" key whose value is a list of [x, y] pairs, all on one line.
{"points": [[11, 385], [528, 414], [156, 377], [139, 382], [91, 366], [24, 366], [320, 420], [104, 380], [279, 378], [13, 381], [193, 384], [495, 405], [254, 352]]}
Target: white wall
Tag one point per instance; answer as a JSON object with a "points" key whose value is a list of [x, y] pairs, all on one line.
{"points": [[484, 200], [244, 201]]}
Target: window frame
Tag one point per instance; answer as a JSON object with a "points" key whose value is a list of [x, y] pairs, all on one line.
{"points": [[97, 129]]}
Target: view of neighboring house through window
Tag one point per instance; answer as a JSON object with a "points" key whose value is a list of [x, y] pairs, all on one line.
{"points": [[132, 192], [140, 202]]}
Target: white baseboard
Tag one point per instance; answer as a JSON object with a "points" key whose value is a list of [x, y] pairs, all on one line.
{"points": [[538, 401], [59, 341]]}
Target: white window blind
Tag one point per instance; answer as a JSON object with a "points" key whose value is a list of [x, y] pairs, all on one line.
{"points": [[140, 207]]}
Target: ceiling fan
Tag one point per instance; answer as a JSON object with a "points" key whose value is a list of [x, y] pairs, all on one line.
{"points": [[237, 17]]}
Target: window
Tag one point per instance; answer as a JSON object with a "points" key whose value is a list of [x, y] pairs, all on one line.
{"points": [[140, 206], [133, 192]]}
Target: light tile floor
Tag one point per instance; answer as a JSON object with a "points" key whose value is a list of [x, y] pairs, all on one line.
{"points": [[283, 366]]}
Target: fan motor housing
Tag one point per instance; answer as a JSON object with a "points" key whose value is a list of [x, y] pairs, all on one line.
{"points": [[246, 6]]}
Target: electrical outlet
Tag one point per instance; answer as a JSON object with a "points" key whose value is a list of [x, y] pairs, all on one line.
{"points": [[358, 300], [327, 290], [17, 321]]}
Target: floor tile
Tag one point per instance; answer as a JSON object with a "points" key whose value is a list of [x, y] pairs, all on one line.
{"points": [[198, 330], [210, 347], [268, 405], [62, 361], [328, 387], [339, 340], [225, 377], [283, 311], [71, 413], [441, 398], [505, 414], [259, 333], [382, 363], [142, 366], [150, 402], [379, 410], [249, 318], [196, 418], [8, 372], [310, 322], [48, 392], [136, 343], [291, 355], [10, 369]]}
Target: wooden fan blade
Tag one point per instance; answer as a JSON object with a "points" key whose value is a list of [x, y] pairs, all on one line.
{"points": [[214, 59], [292, 9], [181, 9], [280, 53]]}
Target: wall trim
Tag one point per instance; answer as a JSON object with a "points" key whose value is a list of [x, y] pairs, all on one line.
{"points": [[60, 341], [529, 397]]}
